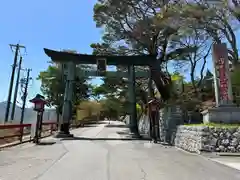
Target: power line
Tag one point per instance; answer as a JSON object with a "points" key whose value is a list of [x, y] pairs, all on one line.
{"points": [[18, 47], [24, 84], [16, 89]]}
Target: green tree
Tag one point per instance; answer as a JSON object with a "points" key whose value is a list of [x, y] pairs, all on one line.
{"points": [[174, 32], [53, 86], [220, 20], [112, 108], [97, 92], [112, 91], [138, 27], [235, 78]]}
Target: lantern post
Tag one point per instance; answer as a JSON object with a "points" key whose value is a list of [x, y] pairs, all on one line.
{"points": [[153, 113], [39, 103]]}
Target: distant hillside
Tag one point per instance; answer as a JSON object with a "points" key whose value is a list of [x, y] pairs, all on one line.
{"points": [[29, 115]]}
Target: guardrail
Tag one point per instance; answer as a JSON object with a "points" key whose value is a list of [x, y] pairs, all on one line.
{"points": [[19, 133]]}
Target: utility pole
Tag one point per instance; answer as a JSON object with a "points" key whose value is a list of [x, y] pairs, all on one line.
{"points": [[12, 79], [16, 89], [24, 97]]}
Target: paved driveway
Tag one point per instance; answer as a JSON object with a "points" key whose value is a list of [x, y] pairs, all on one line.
{"points": [[98, 159]]}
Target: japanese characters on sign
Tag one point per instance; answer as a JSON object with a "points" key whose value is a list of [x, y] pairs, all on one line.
{"points": [[223, 80]]}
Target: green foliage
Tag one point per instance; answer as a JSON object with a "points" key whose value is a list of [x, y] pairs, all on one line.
{"points": [[115, 96], [81, 90], [136, 27], [112, 108], [53, 86], [180, 32], [91, 108], [97, 92], [235, 78]]}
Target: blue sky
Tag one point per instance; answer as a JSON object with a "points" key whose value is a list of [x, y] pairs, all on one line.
{"points": [[54, 24]]}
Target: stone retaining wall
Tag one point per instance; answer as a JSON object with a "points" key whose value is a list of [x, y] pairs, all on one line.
{"points": [[203, 138], [144, 125], [192, 138], [169, 118]]}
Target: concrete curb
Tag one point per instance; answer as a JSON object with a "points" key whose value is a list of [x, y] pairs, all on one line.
{"points": [[210, 158], [229, 154]]}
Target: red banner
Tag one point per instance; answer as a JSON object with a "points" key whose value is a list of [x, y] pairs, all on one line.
{"points": [[223, 81]]}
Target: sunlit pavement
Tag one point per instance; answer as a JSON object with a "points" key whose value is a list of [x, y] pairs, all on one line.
{"points": [[231, 161], [93, 158]]}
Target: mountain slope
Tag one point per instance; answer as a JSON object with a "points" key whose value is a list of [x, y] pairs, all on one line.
{"points": [[29, 115]]}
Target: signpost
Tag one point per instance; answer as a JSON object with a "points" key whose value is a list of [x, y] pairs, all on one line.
{"points": [[225, 111], [222, 81], [101, 66]]}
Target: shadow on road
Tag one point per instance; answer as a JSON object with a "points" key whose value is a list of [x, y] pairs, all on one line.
{"points": [[90, 125], [123, 132], [116, 126], [102, 122], [46, 143], [104, 139]]}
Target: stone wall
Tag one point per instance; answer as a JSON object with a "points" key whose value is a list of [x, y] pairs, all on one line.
{"points": [[144, 125], [192, 138], [168, 119], [211, 139]]}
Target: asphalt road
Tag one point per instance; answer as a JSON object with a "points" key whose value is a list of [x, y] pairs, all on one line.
{"points": [[90, 157]]}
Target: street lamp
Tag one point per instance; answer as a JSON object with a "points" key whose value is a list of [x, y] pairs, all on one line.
{"points": [[39, 103]]}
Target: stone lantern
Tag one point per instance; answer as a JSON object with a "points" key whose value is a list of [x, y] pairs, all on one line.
{"points": [[39, 103]]}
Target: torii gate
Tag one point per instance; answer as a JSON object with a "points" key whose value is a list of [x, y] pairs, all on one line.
{"points": [[72, 59]]}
